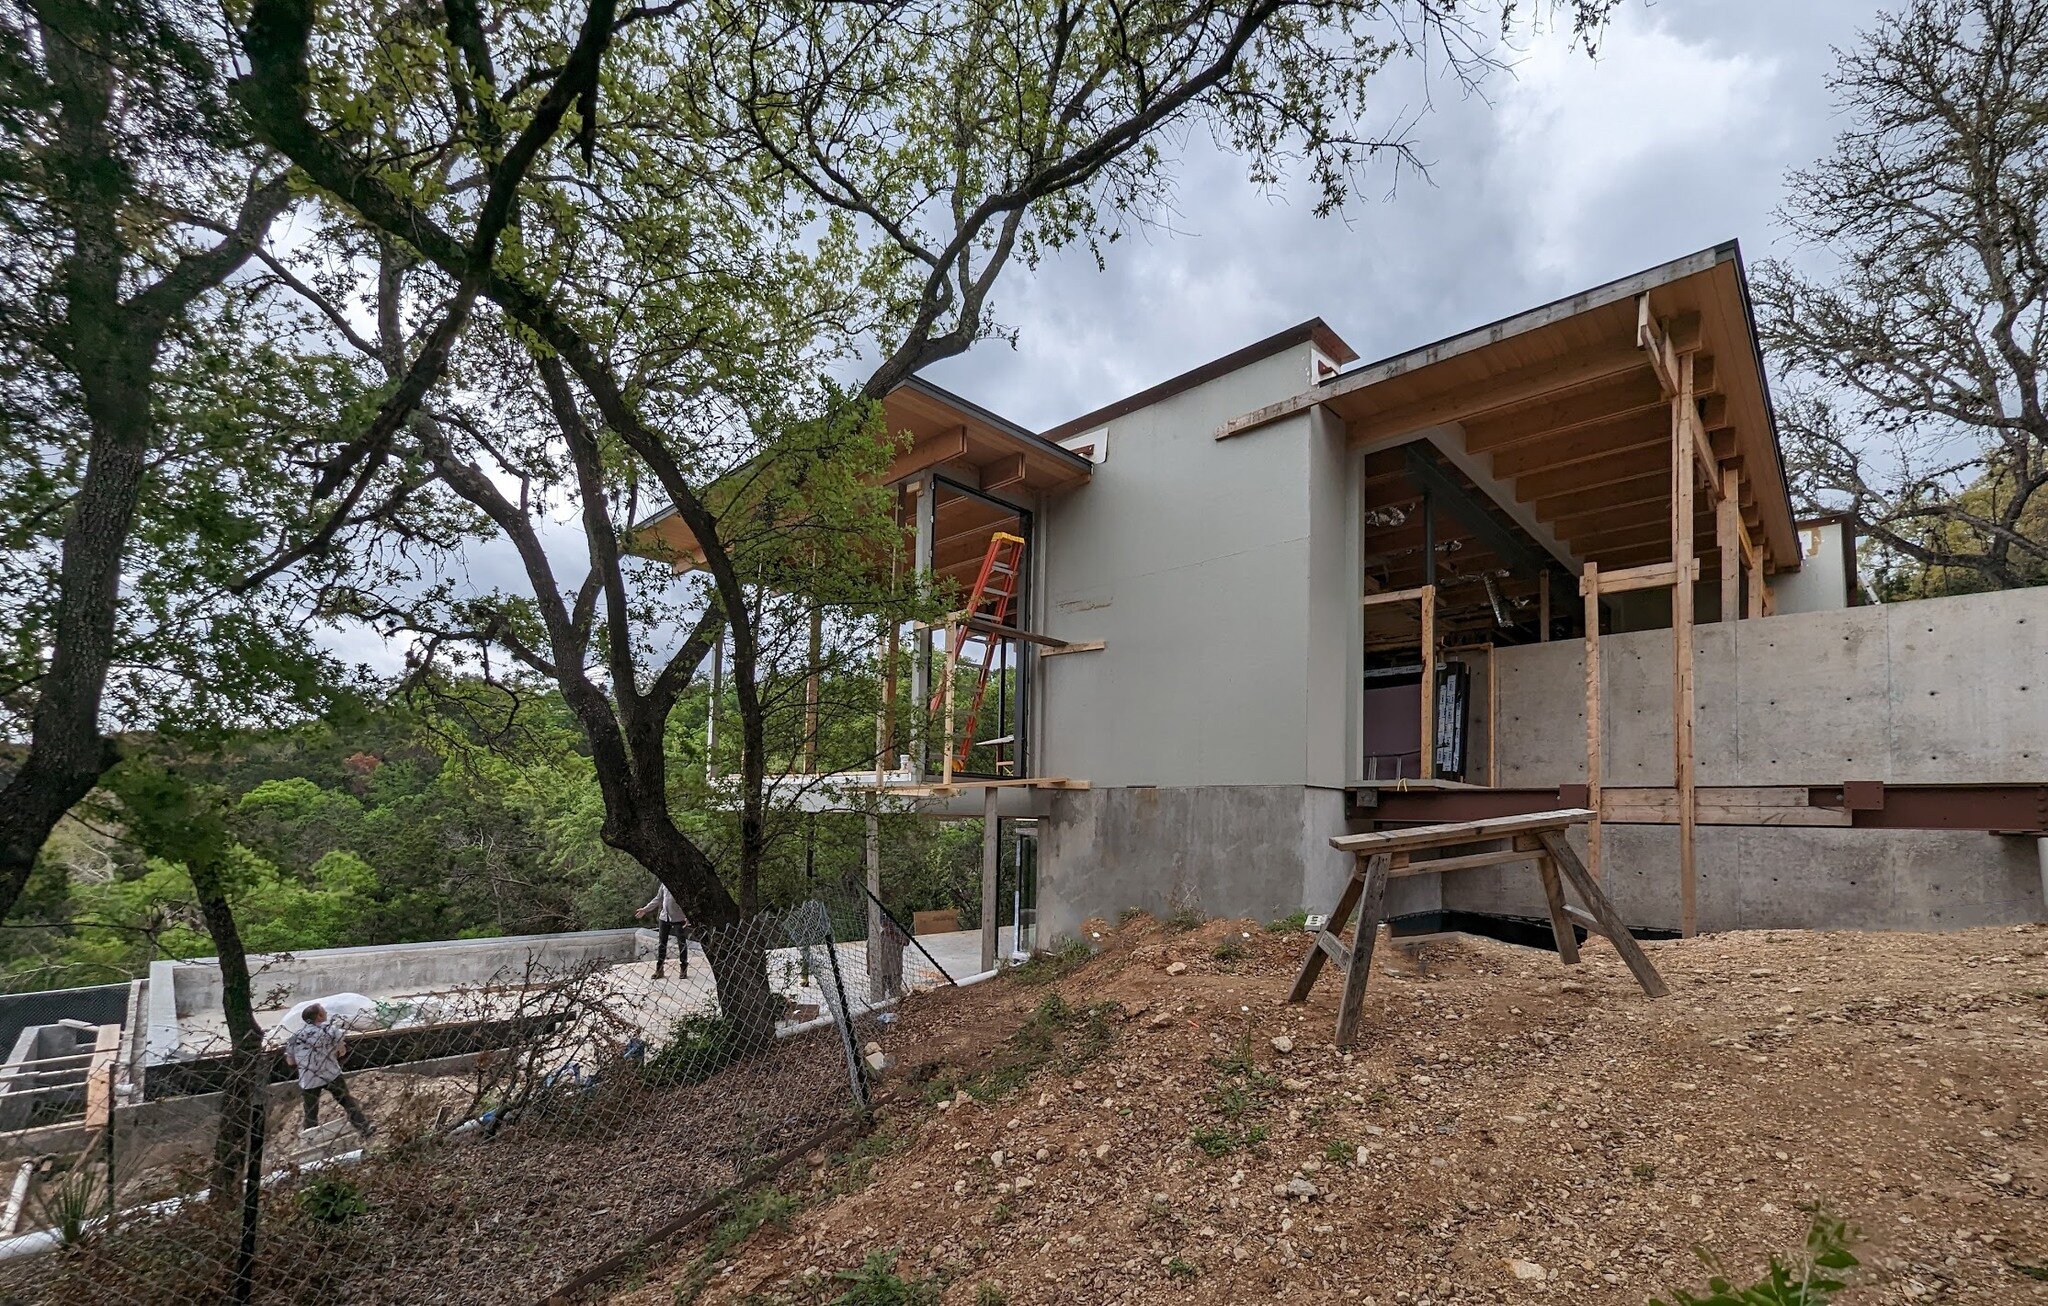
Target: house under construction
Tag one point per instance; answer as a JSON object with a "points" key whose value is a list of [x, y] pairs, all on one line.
{"points": [[1548, 562]]}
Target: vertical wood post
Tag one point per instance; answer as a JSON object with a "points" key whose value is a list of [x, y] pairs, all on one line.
{"points": [[1728, 538], [1590, 587], [921, 655], [1683, 477], [1543, 606], [991, 858], [1492, 717], [1427, 769]]}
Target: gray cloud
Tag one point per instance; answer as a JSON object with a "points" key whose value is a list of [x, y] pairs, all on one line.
{"points": [[1569, 172]]}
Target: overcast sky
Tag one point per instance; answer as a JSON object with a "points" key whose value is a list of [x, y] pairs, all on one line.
{"points": [[1572, 172]]}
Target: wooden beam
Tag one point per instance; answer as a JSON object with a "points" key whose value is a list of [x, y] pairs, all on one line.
{"points": [[1683, 455], [1509, 390], [1004, 473], [926, 454], [1426, 764], [1632, 395], [1728, 537], [1443, 836], [1611, 923], [1655, 575], [1633, 486], [1470, 861], [1542, 618], [1396, 596], [1587, 444], [1589, 586]]}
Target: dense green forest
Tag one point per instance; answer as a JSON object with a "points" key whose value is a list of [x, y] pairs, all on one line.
{"points": [[417, 819]]}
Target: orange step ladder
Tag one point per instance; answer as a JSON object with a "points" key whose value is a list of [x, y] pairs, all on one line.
{"points": [[990, 601]]}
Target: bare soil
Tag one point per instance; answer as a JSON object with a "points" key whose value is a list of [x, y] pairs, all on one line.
{"points": [[1508, 1129]]}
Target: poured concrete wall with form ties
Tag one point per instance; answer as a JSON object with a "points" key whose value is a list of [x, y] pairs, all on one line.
{"points": [[1214, 724], [1945, 690]]}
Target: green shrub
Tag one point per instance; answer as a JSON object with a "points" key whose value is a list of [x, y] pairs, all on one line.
{"points": [[332, 1199], [698, 1047], [876, 1283], [1045, 967], [1293, 922], [1812, 1282], [68, 1203]]}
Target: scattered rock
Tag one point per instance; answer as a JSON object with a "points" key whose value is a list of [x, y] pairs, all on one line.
{"points": [[1528, 1271], [1283, 1045], [1177, 968]]}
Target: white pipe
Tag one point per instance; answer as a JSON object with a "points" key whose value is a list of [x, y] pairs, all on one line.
{"points": [[17, 1198], [976, 979]]}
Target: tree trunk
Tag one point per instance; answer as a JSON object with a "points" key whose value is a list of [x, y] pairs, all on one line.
{"points": [[238, 1142]]}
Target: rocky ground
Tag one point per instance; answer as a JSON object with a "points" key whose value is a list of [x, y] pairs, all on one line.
{"points": [[1167, 1128]]}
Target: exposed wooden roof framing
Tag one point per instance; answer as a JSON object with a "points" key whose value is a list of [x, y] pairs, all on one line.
{"points": [[948, 435], [1563, 408]]}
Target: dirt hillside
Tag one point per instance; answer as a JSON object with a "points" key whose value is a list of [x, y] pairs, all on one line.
{"points": [[1157, 1125]]}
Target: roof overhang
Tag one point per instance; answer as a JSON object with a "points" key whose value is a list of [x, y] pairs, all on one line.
{"points": [[935, 431], [1558, 414]]}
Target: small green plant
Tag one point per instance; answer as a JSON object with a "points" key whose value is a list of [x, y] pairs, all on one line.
{"points": [[1231, 948], [1045, 967], [1237, 1061], [988, 1294], [331, 1199], [743, 1218], [1184, 918], [1230, 1101], [698, 1047], [1213, 1142], [1292, 922], [68, 1203], [1001, 1215], [1645, 1172], [1811, 1282], [1339, 1151], [1177, 1268], [2038, 1273], [1127, 915], [876, 1283]]}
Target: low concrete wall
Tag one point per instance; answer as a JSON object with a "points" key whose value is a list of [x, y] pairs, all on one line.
{"points": [[1793, 878], [1933, 691], [178, 989], [1227, 850]]}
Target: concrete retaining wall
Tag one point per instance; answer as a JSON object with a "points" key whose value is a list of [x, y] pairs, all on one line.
{"points": [[1938, 690], [179, 989], [1227, 850]]}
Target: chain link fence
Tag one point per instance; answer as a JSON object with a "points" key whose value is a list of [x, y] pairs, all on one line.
{"points": [[522, 1128]]}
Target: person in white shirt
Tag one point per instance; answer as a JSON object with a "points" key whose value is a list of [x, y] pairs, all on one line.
{"points": [[671, 920], [316, 1052]]}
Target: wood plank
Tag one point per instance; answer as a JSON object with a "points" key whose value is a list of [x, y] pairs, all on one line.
{"points": [[1412, 595], [1425, 765], [1683, 458], [1438, 836], [1589, 586], [1507, 390], [1312, 965], [1655, 575], [1333, 948], [1004, 473], [1466, 862], [1728, 538], [1633, 395], [1561, 932], [1073, 646], [1371, 904], [927, 453], [1609, 920], [99, 1077]]}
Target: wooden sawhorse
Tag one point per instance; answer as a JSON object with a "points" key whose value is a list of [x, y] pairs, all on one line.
{"points": [[1384, 854]]}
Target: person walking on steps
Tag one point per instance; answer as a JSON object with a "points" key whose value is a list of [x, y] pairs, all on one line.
{"points": [[672, 922], [316, 1052]]}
